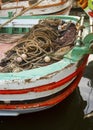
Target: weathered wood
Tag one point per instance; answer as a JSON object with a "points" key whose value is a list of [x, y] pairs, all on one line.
{"points": [[21, 13]]}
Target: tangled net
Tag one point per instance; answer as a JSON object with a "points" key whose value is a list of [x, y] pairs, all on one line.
{"points": [[45, 44]]}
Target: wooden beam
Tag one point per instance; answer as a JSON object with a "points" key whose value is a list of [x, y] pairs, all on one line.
{"points": [[21, 13]]}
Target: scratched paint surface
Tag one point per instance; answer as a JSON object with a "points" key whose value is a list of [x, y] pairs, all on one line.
{"points": [[45, 2]]}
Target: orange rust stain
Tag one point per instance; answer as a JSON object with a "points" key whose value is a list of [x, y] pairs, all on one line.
{"points": [[50, 5]]}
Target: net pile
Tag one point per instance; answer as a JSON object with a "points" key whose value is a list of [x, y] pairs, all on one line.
{"points": [[46, 43]]}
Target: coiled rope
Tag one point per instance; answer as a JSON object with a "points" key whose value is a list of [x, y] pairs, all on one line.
{"points": [[37, 48]]}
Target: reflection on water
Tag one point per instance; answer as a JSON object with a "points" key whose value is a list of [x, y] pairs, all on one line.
{"points": [[86, 90], [86, 87]]}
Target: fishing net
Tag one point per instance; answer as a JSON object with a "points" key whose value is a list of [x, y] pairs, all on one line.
{"points": [[44, 44]]}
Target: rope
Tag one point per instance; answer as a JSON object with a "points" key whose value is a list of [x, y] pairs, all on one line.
{"points": [[39, 47]]}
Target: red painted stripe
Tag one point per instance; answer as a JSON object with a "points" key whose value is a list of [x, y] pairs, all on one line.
{"points": [[48, 86], [47, 103]]}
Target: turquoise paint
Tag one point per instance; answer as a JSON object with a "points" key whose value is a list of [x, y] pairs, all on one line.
{"points": [[38, 72], [10, 30], [88, 39], [74, 18], [78, 51]]}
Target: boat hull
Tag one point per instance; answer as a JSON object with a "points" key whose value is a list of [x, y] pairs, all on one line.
{"points": [[44, 87], [46, 7], [19, 101]]}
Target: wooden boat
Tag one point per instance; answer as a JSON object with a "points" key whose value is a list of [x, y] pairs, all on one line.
{"points": [[36, 7], [41, 88]]}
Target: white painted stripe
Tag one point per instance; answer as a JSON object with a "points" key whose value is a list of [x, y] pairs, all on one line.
{"points": [[32, 95], [54, 77]]}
